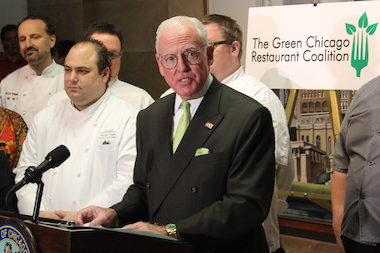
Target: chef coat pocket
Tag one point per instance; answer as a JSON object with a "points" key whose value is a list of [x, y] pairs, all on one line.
{"points": [[106, 156]]}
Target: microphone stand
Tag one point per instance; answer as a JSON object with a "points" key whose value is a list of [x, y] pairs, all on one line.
{"points": [[34, 176], [37, 202]]}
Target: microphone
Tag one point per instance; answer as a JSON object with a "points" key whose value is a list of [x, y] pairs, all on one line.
{"points": [[53, 159]]}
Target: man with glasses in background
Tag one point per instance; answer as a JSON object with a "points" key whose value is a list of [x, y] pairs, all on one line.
{"points": [[112, 39], [225, 35], [205, 165]]}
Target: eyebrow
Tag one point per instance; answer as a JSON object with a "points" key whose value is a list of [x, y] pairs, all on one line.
{"points": [[77, 68], [192, 47], [32, 34]]}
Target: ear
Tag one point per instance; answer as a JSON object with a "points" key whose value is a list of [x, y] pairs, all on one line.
{"points": [[210, 54], [159, 64], [235, 48], [52, 40], [106, 74]]}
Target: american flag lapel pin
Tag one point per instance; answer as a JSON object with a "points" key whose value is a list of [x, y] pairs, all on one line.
{"points": [[209, 125]]}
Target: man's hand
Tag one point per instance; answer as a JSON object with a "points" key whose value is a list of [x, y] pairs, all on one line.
{"points": [[66, 215], [49, 215], [107, 217], [336, 228], [145, 226]]}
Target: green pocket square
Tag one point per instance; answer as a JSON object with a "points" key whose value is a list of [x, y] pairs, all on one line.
{"points": [[202, 151]]}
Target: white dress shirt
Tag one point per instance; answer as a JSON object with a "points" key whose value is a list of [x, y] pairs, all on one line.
{"points": [[195, 101]]}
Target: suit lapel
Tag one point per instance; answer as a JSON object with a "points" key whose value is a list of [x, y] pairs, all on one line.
{"points": [[163, 126], [205, 121]]}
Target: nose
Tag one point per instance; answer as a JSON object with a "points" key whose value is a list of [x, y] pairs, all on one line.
{"points": [[182, 65], [28, 42], [71, 77]]}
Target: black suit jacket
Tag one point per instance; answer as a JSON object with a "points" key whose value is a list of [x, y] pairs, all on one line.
{"points": [[218, 201], [6, 183]]}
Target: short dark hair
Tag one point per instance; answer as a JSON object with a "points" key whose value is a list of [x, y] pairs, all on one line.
{"points": [[6, 29], [101, 52], [230, 27], [103, 27], [50, 28]]}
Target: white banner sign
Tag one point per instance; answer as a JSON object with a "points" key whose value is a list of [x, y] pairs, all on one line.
{"points": [[331, 46]]}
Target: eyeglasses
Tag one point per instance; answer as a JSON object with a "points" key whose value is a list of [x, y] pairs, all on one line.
{"points": [[221, 42], [191, 57], [113, 54]]}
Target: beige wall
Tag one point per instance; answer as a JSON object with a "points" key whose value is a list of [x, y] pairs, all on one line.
{"points": [[136, 19]]}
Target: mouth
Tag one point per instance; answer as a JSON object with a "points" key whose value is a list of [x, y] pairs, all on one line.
{"points": [[73, 88], [30, 50]]}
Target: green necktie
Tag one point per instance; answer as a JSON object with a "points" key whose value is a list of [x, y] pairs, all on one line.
{"points": [[182, 124]]}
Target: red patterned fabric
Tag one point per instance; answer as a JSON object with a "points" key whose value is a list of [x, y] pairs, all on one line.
{"points": [[13, 132]]}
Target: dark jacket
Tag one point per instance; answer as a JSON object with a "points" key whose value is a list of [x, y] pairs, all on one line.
{"points": [[218, 201]]}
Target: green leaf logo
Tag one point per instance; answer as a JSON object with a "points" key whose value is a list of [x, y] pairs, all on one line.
{"points": [[371, 29], [351, 29], [363, 21], [360, 51]]}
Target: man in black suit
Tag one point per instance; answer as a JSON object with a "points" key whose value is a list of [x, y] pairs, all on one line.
{"points": [[214, 190]]}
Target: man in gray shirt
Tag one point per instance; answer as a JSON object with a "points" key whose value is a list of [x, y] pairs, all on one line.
{"points": [[356, 164]]}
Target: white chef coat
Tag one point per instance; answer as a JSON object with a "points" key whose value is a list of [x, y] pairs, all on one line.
{"points": [[131, 93], [251, 87], [101, 140], [26, 93]]}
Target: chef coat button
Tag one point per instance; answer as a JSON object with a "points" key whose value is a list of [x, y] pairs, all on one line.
{"points": [[194, 189], [148, 185]]}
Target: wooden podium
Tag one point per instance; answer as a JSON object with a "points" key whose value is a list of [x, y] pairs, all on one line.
{"points": [[53, 238]]}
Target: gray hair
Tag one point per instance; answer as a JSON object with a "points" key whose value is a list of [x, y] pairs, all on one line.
{"points": [[179, 22]]}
